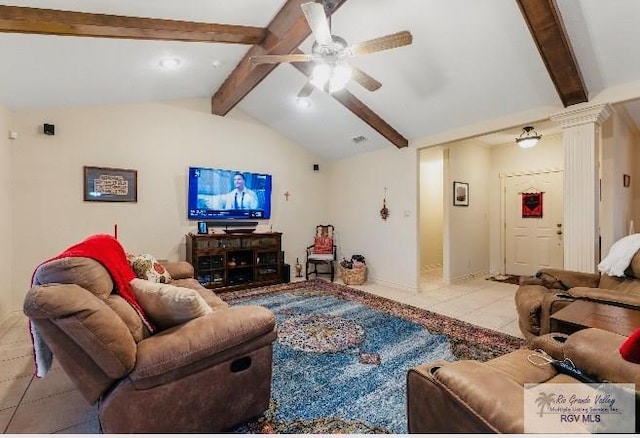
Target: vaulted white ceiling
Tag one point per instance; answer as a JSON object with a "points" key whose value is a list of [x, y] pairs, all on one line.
{"points": [[470, 61]]}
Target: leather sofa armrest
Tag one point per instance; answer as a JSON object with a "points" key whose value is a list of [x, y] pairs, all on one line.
{"points": [[87, 320], [463, 396], [199, 343], [595, 352], [572, 278], [605, 296], [178, 270], [550, 343]]}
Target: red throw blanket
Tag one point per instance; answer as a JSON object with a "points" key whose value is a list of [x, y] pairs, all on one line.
{"points": [[106, 250]]}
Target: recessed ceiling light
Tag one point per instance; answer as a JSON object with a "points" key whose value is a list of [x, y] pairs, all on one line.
{"points": [[169, 63], [216, 63], [303, 102]]}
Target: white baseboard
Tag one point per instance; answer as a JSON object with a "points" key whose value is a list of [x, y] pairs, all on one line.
{"points": [[469, 276], [405, 287]]}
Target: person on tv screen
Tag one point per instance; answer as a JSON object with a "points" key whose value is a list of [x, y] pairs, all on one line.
{"points": [[241, 198]]}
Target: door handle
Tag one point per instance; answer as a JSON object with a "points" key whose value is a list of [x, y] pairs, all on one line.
{"points": [[559, 232]]}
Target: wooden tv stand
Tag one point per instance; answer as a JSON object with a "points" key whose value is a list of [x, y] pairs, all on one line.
{"points": [[233, 261]]}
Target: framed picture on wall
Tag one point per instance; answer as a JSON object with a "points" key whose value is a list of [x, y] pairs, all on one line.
{"points": [[460, 194], [106, 184]]}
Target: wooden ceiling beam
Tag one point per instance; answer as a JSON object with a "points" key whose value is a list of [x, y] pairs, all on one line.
{"points": [[547, 29], [357, 107], [15, 19], [285, 33]]}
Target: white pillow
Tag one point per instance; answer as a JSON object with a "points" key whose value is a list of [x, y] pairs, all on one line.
{"points": [[168, 305]]}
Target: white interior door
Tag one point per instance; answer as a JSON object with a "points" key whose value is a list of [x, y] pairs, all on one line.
{"points": [[533, 243]]}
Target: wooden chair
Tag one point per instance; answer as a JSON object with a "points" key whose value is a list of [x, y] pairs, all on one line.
{"points": [[322, 252]]}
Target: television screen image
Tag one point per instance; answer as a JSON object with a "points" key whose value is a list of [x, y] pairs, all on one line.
{"points": [[228, 194]]}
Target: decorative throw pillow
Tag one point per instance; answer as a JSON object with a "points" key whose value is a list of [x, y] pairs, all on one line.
{"points": [[630, 349], [169, 305], [323, 245], [147, 267]]}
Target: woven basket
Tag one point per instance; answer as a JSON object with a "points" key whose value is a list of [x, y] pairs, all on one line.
{"points": [[353, 276]]}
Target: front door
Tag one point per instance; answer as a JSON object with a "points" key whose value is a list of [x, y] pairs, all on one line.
{"points": [[533, 242]]}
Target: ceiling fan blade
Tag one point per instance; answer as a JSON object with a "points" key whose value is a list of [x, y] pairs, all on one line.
{"points": [[399, 39], [317, 19], [306, 90], [366, 81], [273, 59]]}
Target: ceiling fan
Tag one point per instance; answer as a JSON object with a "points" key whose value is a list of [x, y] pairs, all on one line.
{"points": [[331, 52]]}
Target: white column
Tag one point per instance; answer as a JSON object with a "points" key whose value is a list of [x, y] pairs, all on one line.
{"points": [[581, 141]]}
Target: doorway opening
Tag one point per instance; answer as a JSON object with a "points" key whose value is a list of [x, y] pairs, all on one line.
{"points": [[431, 224]]}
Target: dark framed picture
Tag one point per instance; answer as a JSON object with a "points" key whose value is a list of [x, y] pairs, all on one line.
{"points": [[106, 184], [203, 227], [460, 194], [626, 180]]}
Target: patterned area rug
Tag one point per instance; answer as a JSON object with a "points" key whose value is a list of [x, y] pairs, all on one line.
{"points": [[342, 356]]}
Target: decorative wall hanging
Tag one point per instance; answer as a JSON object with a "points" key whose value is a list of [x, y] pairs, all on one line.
{"points": [[460, 194], [104, 184], [384, 211], [532, 205]]}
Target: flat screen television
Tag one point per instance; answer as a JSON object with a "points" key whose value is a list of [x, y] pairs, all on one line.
{"points": [[228, 194]]}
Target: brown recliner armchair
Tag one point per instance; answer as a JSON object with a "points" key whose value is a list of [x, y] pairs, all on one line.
{"points": [[550, 290], [205, 375], [468, 396]]}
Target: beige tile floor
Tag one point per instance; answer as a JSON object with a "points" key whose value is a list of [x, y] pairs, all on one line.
{"points": [[53, 405]]}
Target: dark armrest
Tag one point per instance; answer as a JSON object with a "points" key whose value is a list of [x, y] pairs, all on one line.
{"points": [[572, 278], [595, 352], [608, 296], [178, 270], [200, 343]]}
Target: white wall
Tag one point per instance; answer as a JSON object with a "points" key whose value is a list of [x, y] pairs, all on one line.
{"points": [[357, 190], [160, 140], [7, 300], [509, 158], [466, 251], [618, 153], [431, 206]]}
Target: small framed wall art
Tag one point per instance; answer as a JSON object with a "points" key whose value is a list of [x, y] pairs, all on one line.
{"points": [[460, 194], [105, 184]]}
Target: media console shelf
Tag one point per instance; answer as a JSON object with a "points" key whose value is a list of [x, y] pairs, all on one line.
{"points": [[235, 260]]}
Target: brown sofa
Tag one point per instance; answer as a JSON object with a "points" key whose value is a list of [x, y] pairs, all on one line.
{"points": [[550, 290], [473, 397], [205, 375]]}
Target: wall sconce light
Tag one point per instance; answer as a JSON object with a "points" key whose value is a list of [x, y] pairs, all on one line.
{"points": [[528, 139]]}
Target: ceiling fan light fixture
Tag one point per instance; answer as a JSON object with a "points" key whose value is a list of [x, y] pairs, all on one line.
{"points": [[528, 138], [320, 76], [340, 75], [334, 77]]}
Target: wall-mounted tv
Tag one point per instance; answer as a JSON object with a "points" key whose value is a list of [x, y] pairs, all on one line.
{"points": [[228, 194]]}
